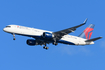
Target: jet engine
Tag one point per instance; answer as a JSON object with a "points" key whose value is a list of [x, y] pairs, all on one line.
{"points": [[47, 35], [32, 42]]}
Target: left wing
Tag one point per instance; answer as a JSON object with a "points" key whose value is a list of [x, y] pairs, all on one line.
{"points": [[60, 34]]}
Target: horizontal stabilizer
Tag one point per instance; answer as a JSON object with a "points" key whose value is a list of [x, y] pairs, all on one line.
{"points": [[94, 39]]}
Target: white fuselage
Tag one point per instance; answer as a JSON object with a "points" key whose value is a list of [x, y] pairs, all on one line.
{"points": [[26, 31]]}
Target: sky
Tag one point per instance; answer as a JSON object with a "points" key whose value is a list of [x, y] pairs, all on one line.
{"points": [[52, 15]]}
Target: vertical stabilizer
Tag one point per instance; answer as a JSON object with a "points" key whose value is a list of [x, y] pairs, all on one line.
{"points": [[87, 32]]}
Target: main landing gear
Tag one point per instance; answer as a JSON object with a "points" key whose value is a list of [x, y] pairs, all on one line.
{"points": [[55, 43], [45, 47], [14, 36]]}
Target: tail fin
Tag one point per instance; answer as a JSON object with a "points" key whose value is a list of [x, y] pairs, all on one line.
{"points": [[87, 32]]}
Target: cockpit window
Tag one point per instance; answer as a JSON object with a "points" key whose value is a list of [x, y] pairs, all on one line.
{"points": [[8, 26]]}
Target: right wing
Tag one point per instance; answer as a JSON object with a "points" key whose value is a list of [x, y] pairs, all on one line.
{"points": [[60, 34]]}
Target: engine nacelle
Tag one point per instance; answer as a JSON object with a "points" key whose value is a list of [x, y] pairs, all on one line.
{"points": [[32, 42], [47, 35]]}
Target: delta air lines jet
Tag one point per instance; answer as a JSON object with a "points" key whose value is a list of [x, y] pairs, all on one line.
{"points": [[43, 37]]}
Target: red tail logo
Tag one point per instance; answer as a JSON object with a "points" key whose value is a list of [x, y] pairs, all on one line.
{"points": [[88, 32]]}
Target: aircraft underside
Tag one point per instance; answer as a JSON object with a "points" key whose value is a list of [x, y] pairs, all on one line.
{"points": [[39, 40]]}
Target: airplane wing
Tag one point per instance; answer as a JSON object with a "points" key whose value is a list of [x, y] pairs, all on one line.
{"points": [[60, 34]]}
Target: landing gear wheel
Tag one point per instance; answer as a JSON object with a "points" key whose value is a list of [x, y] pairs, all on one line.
{"points": [[55, 43], [47, 48], [14, 38], [44, 47]]}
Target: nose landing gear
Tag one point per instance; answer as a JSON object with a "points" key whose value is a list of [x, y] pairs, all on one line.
{"points": [[14, 36]]}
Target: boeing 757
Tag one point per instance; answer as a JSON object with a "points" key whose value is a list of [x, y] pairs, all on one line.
{"points": [[43, 37]]}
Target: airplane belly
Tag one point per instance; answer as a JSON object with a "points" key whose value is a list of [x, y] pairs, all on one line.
{"points": [[74, 40], [82, 43], [69, 41]]}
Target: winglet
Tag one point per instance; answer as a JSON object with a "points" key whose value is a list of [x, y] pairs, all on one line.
{"points": [[81, 24], [85, 21]]}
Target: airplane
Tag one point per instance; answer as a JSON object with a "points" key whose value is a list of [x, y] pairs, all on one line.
{"points": [[43, 37]]}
